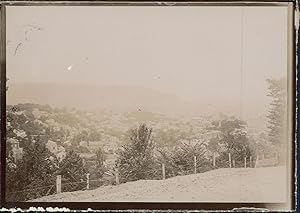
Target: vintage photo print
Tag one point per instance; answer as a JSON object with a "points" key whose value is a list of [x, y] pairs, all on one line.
{"points": [[152, 103]]}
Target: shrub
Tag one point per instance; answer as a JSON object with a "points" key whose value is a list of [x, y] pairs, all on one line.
{"points": [[180, 160]]}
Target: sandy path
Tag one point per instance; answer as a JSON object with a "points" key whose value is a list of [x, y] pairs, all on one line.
{"points": [[221, 185]]}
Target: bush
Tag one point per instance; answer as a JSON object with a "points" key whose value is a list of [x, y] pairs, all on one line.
{"points": [[233, 139], [180, 160]]}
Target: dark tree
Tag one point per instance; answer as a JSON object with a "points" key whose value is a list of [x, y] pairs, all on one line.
{"points": [[34, 171], [136, 160], [100, 166], [71, 167]]}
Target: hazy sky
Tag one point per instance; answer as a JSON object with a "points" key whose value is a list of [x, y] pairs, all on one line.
{"points": [[193, 52]]}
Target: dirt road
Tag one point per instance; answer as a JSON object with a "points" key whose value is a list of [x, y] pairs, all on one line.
{"points": [[221, 185]]}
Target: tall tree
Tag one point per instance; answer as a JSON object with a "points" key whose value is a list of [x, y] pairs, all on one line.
{"points": [[136, 160], [73, 172], [71, 167], [34, 171], [277, 114]]}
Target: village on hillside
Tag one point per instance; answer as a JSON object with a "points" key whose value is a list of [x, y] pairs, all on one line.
{"points": [[87, 151]]}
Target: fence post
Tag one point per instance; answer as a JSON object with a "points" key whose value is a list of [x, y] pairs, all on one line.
{"points": [[163, 171], [250, 161], [233, 163], [214, 159], [88, 181], [256, 161], [195, 164], [117, 177], [58, 184], [245, 162], [229, 158]]}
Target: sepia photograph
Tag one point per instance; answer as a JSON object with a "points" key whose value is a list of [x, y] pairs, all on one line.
{"points": [[152, 103]]}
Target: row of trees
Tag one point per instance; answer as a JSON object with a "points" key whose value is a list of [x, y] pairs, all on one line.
{"points": [[140, 158]]}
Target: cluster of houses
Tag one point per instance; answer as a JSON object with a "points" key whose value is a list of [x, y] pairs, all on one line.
{"points": [[108, 144]]}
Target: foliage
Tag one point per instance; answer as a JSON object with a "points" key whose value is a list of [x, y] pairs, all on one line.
{"points": [[71, 168], [100, 166], [136, 161], [73, 172], [81, 136], [213, 145], [33, 171], [169, 138], [233, 139], [277, 114], [180, 160]]}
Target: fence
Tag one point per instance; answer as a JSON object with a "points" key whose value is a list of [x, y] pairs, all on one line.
{"points": [[32, 193], [165, 169], [62, 185]]}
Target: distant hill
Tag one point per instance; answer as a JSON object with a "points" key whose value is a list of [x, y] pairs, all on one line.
{"points": [[116, 98], [123, 98]]}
